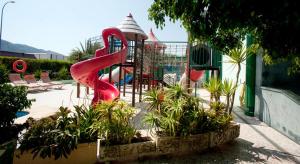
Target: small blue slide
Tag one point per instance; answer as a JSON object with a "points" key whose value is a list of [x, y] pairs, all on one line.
{"points": [[128, 79]]}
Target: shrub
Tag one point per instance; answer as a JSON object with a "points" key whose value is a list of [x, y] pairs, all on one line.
{"points": [[113, 123], [51, 137], [84, 118], [63, 74], [176, 113], [59, 135], [37, 74], [12, 99], [3, 74]]}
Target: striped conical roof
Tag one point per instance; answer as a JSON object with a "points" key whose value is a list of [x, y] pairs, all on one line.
{"points": [[152, 40], [129, 27]]}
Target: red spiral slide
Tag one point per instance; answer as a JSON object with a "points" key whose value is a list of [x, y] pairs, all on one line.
{"points": [[86, 72]]}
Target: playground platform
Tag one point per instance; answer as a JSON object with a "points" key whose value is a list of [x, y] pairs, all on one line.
{"points": [[258, 143]]}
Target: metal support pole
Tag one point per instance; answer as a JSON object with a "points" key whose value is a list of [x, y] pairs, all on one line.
{"points": [[111, 51], [87, 90], [141, 72], [124, 85], [250, 80], [2, 21], [78, 90], [134, 70], [188, 69]]}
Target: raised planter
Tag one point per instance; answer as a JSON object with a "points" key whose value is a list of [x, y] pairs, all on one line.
{"points": [[85, 153], [182, 145], [219, 138], [196, 143], [131, 151], [168, 145]]}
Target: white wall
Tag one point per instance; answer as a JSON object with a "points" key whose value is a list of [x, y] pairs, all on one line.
{"points": [[229, 71]]}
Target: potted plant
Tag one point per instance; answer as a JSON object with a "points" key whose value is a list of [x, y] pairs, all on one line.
{"points": [[182, 125], [13, 99]]}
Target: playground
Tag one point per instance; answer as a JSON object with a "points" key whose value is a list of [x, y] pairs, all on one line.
{"points": [[176, 86]]}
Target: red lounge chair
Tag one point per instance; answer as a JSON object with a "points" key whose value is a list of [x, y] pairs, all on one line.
{"points": [[30, 79], [46, 79], [16, 80]]}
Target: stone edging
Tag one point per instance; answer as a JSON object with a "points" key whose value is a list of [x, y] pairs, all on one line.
{"points": [[169, 145]]}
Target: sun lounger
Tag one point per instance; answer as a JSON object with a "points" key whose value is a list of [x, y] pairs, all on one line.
{"points": [[30, 79], [16, 80], [46, 79]]}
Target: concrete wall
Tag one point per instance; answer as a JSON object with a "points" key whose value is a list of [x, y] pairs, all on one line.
{"points": [[278, 108], [49, 56]]}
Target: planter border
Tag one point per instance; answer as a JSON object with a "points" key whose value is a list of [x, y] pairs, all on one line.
{"points": [[159, 146], [169, 145]]}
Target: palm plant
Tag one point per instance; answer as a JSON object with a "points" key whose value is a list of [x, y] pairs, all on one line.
{"points": [[85, 51], [237, 57]]}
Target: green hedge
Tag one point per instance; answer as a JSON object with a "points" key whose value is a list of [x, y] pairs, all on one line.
{"points": [[37, 65]]}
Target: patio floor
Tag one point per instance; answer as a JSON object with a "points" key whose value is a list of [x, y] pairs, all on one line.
{"points": [[258, 143]]}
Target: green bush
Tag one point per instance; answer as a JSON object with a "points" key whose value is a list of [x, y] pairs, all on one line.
{"points": [[58, 135], [63, 74], [173, 112], [51, 137], [3, 74], [113, 123], [37, 74], [33, 65], [12, 99]]}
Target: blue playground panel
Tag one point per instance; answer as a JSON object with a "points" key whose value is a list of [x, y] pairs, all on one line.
{"points": [[128, 79]]}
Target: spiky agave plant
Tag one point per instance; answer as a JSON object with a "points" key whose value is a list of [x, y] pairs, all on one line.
{"points": [[214, 86], [155, 97], [176, 92], [228, 90]]}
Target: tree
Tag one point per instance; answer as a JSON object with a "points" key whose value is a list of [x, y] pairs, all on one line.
{"points": [[85, 51], [275, 25]]}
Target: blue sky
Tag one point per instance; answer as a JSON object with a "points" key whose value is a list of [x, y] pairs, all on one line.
{"points": [[60, 25]]}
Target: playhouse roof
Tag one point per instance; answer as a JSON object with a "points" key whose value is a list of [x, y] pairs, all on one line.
{"points": [[129, 27], [152, 39]]}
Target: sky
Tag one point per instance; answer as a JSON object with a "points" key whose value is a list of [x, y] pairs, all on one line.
{"points": [[60, 25]]}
